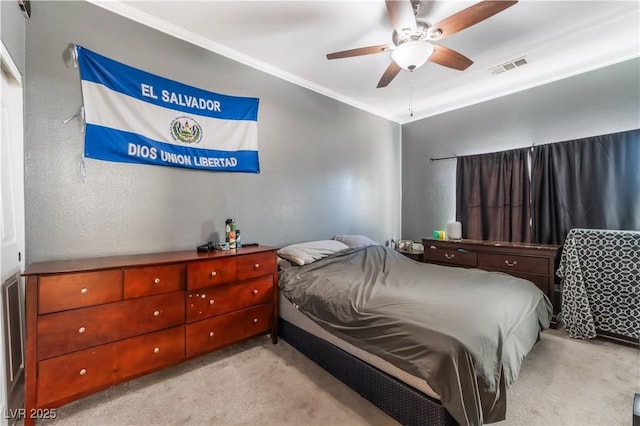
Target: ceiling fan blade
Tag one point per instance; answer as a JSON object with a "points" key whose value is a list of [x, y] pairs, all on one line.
{"points": [[468, 17], [449, 58], [401, 15], [389, 75], [359, 51]]}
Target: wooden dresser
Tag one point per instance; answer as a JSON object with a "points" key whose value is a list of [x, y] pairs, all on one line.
{"points": [[93, 323], [534, 262]]}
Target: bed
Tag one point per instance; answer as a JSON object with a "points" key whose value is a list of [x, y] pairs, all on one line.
{"points": [[434, 344]]}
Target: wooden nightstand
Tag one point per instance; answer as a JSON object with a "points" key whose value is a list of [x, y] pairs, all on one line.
{"points": [[415, 255]]}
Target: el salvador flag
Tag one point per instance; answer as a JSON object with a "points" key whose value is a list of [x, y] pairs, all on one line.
{"points": [[136, 117]]}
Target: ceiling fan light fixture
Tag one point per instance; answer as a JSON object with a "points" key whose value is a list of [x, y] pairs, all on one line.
{"points": [[412, 54]]}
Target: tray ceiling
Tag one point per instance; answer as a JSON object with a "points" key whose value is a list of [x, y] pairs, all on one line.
{"points": [[290, 39]]}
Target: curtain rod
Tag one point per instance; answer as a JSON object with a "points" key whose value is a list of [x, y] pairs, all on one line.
{"points": [[443, 158], [456, 156]]}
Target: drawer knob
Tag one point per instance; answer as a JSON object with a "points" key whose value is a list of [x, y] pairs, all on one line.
{"points": [[433, 247], [82, 330], [83, 290], [156, 313], [83, 371], [511, 265], [214, 273], [211, 333], [256, 266], [157, 281], [156, 350], [211, 302], [255, 291], [449, 256], [255, 320]]}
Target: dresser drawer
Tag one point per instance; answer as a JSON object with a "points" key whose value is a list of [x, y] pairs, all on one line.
{"points": [[256, 265], [206, 335], [69, 331], [210, 272], [449, 256], [139, 282], [69, 291], [513, 263], [217, 300], [67, 376]]}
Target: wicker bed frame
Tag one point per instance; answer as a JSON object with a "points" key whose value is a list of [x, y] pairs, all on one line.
{"points": [[402, 402]]}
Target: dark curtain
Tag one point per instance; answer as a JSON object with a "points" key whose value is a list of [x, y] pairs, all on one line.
{"points": [[492, 196], [586, 183]]}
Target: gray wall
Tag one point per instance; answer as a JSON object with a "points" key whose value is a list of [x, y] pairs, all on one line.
{"points": [[326, 167], [12, 31], [595, 103]]}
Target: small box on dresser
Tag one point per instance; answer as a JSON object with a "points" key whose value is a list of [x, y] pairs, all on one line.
{"points": [[93, 323]]}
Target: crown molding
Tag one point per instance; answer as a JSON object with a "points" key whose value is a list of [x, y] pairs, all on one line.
{"points": [[178, 32]]}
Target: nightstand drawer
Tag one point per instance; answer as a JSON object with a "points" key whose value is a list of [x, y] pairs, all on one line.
{"points": [[449, 256], [69, 291], [206, 335], [139, 282], [70, 331], [256, 265], [64, 377], [415, 255], [217, 300], [210, 272], [513, 263]]}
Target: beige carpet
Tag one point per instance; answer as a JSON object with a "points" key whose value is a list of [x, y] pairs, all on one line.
{"points": [[562, 382], [567, 381]]}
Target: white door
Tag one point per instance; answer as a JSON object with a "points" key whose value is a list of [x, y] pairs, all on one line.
{"points": [[12, 240]]}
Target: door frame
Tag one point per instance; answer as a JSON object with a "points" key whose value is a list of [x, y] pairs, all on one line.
{"points": [[7, 61], [12, 382]]}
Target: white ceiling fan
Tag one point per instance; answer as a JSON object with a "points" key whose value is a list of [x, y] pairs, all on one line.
{"points": [[412, 37]]}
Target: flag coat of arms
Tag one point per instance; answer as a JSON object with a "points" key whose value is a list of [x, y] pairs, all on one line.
{"points": [[133, 116]]}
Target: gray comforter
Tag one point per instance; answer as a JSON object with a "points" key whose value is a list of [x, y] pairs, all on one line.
{"points": [[465, 331]]}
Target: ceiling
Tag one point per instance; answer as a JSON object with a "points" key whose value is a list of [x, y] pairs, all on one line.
{"points": [[290, 39]]}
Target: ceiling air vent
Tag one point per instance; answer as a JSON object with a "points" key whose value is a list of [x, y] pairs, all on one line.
{"points": [[509, 65]]}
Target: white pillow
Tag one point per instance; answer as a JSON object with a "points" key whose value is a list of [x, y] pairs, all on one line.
{"points": [[355, 241], [309, 252]]}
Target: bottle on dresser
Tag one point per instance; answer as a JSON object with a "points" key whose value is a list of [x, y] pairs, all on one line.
{"points": [[230, 232]]}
